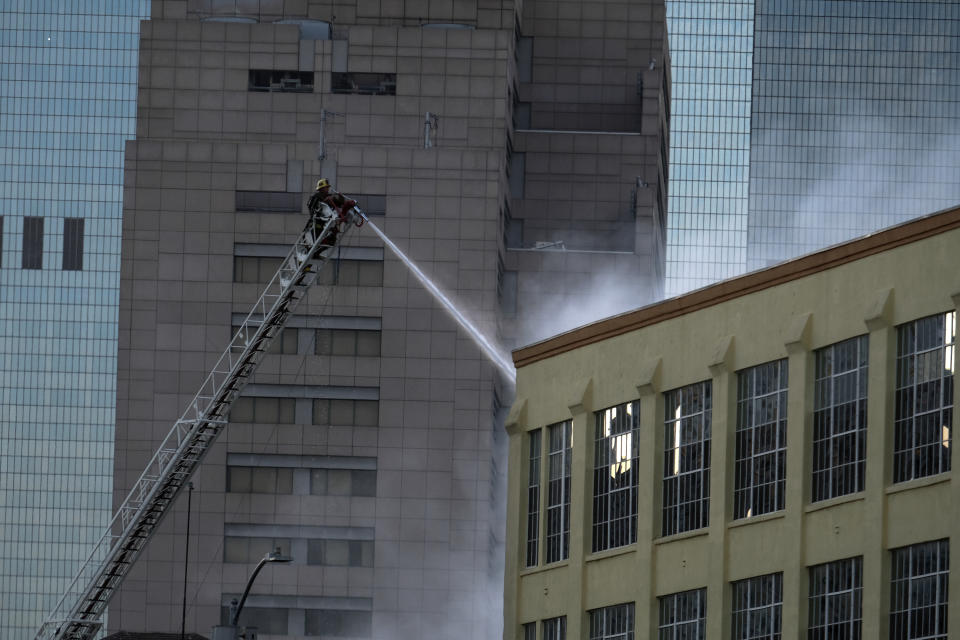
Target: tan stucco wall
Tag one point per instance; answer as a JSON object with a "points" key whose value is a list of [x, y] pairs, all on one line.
{"points": [[870, 295]]}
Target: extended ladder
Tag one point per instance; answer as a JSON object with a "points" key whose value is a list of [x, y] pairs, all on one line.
{"points": [[77, 614]]}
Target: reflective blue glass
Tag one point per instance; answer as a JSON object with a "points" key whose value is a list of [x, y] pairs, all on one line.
{"points": [[711, 49], [68, 78], [801, 124], [855, 120]]}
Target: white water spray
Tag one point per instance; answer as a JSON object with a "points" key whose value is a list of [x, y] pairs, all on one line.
{"points": [[488, 348]]}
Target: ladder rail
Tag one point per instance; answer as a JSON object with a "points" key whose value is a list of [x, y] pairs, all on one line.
{"points": [[190, 438]]}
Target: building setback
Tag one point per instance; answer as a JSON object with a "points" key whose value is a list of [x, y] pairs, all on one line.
{"points": [[766, 457], [367, 446]]}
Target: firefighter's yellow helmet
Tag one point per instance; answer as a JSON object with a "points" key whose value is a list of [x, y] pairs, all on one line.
{"points": [[322, 183]]}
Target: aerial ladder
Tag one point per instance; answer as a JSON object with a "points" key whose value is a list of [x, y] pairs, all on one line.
{"points": [[77, 613]]}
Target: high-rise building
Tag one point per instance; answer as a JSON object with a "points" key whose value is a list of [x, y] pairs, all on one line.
{"points": [[68, 79], [517, 154], [711, 45], [852, 126], [769, 457]]}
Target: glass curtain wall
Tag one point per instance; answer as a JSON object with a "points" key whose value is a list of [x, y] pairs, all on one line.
{"points": [[68, 83], [711, 52], [855, 121]]}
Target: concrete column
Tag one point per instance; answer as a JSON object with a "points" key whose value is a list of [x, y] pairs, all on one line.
{"points": [[648, 496], [799, 444], [881, 377], [581, 510], [723, 440]]}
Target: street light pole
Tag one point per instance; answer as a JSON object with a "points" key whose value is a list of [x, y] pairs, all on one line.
{"points": [[231, 631]]}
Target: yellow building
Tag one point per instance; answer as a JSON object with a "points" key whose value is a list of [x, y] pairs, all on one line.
{"points": [[767, 457]]}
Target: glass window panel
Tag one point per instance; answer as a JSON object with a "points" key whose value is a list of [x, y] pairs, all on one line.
{"points": [[616, 476]]}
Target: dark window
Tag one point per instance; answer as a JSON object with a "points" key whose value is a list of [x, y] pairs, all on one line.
{"points": [[840, 419], [285, 81], [285, 343], [757, 607], [73, 244], [372, 204], [761, 449], [255, 269], [612, 623], [267, 621], [836, 600], [277, 480], [32, 243], [347, 342], [279, 201], [264, 410], [920, 576], [251, 550], [340, 553], [683, 615], [923, 424], [365, 84], [343, 482], [554, 628], [352, 273], [533, 500], [686, 459], [560, 473], [338, 624], [516, 172], [530, 631], [346, 413], [508, 293]]}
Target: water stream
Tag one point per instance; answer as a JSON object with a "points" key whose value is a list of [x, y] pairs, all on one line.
{"points": [[489, 349]]}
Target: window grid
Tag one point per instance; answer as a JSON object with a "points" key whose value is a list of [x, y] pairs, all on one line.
{"points": [[342, 413], [275, 480], [555, 628], [615, 476], [347, 342], [683, 616], [761, 439], [919, 591], [530, 631], [612, 623], [533, 501], [757, 607], [686, 459], [265, 410], [923, 427], [241, 549], [835, 608], [558, 492], [840, 419]]}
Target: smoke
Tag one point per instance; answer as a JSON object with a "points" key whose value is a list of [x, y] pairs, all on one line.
{"points": [[855, 176], [548, 308]]}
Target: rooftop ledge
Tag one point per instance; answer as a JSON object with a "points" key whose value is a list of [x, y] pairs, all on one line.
{"points": [[586, 133]]}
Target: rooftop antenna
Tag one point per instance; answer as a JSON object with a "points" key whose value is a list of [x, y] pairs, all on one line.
{"points": [[429, 127], [322, 145]]}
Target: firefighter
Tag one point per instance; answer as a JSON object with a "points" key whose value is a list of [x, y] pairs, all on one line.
{"points": [[339, 203]]}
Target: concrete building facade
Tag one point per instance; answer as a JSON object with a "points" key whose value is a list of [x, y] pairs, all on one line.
{"points": [[767, 457], [367, 445]]}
